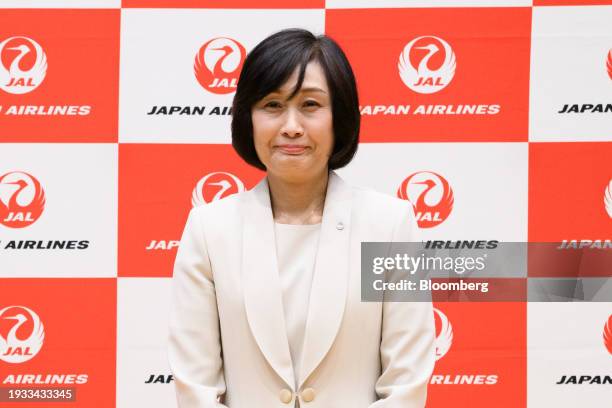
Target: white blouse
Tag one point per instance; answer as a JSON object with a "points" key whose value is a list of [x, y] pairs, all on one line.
{"points": [[296, 248]]}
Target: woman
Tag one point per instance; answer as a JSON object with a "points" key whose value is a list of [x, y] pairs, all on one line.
{"points": [[267, 308]]}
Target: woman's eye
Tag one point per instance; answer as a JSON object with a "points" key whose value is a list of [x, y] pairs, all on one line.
{"points": [[311, 103], [272, 105]]}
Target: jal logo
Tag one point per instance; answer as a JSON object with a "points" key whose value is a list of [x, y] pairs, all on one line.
{"points": [[607, 335], [23, 65], [444, 334], [218, 63], [22, 199], [608, 199], [430, 195], [215, 186], [427, 64], [21, 334], [609, 64]]}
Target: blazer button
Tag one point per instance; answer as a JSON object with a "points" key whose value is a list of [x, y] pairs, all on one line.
{"points": [[308, 394], [340, 226], [285, 396]]}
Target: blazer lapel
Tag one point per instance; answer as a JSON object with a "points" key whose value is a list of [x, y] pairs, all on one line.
{"points": [[330, 279], [262, 288]]}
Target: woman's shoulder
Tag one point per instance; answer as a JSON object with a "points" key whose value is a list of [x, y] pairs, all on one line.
{"points": [[369, 199], [386, 217], [222, 210]]}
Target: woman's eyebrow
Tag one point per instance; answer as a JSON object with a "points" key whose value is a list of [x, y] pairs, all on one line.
{"points": [[312, 89], [302, 90]]}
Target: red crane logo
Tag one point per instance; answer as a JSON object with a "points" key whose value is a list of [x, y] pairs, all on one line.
{"points": [[23, 65], [609, 64], [218, 63], [22, 199], [432, 203], [215, 186], [607, 334], [444, 336], [427, 64], [24, 338]]}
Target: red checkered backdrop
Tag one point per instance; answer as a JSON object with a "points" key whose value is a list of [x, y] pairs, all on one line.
{"points": [[493, 117]]}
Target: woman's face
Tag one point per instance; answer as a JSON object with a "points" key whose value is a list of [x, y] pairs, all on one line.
{"points": [[294, 138]]}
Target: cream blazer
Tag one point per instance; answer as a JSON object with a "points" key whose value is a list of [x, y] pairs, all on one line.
{"points": [[228, 345]]}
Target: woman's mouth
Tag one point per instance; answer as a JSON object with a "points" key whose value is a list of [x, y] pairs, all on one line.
{"points": [[292, 149]]}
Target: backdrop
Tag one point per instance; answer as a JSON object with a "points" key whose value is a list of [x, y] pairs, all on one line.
{"points": [[115, 121]]}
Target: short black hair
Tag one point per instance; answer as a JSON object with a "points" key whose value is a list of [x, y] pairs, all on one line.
{"points": [[270, 64]]}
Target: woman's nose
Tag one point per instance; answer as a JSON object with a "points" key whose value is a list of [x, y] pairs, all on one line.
{"points": [[292, 126]]}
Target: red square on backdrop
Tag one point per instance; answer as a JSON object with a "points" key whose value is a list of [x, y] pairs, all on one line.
{"points": [[59, 75], [481, 355], [439, 74], [567, 191], [70, 327], [570, 205], [246, 4], [158, 185]]}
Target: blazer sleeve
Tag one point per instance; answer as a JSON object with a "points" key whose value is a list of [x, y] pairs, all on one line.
{"points": [[407, 348], [194, 348]]}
